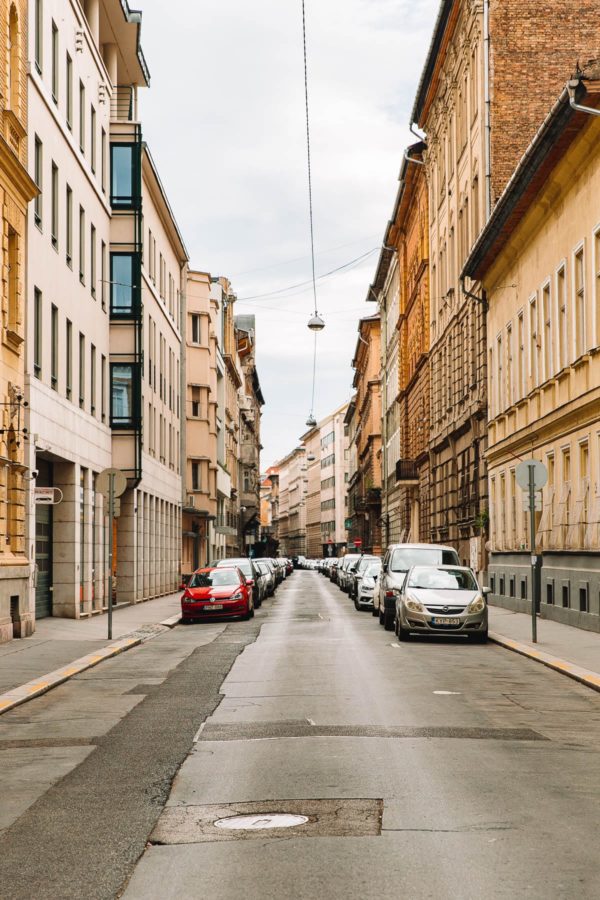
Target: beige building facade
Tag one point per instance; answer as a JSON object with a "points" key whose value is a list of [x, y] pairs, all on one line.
{"points": [[292, 503], [16, 190], [539, 262]]}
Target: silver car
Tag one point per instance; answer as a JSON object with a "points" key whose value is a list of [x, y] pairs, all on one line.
{"points": [[441, 600]]}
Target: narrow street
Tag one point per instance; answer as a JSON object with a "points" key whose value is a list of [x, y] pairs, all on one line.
{"points": [[477, 770]]}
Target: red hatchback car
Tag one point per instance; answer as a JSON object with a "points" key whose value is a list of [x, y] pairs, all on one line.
{"points": [[215, 592]]}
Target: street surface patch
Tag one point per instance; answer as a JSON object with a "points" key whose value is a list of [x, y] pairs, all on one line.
{"points": [[320, 818], [297, 729]]}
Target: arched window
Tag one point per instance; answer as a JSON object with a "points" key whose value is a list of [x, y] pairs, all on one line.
{"points": [[12, 61]]}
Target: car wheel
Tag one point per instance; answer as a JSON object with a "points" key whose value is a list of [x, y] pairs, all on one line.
{"points": [[356, 606], [479, 638], [258, 604], [185, 621], [374, 612], [381, 616], [388, 622], [403, 634]]}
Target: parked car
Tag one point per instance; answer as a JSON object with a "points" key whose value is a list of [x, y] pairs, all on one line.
{"points": [[398, 559], [333, 570], [442, 600], [289, 566], [347, 561], [247, 567], [273, 569], [355, 572], [266, 577], [365, 583], [214, 592]]}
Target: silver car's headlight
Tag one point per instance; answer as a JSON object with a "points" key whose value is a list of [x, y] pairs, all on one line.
{"points": [[477, 605], [413, 604]]}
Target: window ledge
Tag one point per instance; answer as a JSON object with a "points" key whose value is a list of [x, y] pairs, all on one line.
{"points": [[13, 339], [583, 360]]}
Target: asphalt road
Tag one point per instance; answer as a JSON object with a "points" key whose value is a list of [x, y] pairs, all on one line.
{"points": [[478, 771], [425, 770]]}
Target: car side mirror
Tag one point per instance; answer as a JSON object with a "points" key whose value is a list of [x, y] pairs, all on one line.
{"points": [[486, 590], [375, 577]]}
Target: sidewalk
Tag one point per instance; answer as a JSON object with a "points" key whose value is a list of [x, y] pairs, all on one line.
{"points": [[59, 642], [568, 650]]}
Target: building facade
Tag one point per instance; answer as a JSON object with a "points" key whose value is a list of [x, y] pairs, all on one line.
{"points": [[539, 262], [16, 191], [251, 402], [312, 443], [201, 422], [486, 86], [292, 503], [364, 484]]}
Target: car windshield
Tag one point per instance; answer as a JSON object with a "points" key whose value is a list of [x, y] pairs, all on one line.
{"points": [[404, 558], [372, 570], [348, 561], [442, 579], [243, 564], [364, 564], [224, 578]]}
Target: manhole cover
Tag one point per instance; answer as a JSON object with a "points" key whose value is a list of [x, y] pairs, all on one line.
{"points": [[255, 823]]}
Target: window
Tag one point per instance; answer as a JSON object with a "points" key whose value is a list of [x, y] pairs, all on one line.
{"points": [[533, 342], [103, 388], [123, 394], [521, 391], [81, 116], [38, 166], [103, 273], [69, 92], [69, 224], [39, 35], [54, 62], [123, 192], [195, 476], [547, 314], [81, 245], [93, 380], [81, 370], [37, 332], [561, 300], [579, 317], [54, 206], [103, 160], [13, 280], [93, 139], [69, 359], [500, 386], [54, 349], [509, 365], [124, 292], [93, 260], [195, 329]]}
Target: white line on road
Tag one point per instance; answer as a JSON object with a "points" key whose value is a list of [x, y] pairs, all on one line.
{"points": [[198, 733]]}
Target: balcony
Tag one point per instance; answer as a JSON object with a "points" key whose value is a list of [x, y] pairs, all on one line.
{"points": [[407, 472], [121, 103]]}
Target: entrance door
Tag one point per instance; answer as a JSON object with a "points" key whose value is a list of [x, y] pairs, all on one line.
{"points": [[43, 559]]}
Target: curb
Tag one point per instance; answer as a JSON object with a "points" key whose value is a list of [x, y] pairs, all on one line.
{"points": [[577, 673], [45, 683]]}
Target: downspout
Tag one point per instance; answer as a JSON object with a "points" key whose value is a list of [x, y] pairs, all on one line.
{"points": [[488, 112], [572, 86]]}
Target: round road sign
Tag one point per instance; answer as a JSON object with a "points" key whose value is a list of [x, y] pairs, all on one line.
{"points": [[119, 482], [540, 474]]}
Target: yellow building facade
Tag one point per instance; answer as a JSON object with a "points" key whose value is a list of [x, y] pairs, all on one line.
{"points": [[16, 190], [539, 262]]}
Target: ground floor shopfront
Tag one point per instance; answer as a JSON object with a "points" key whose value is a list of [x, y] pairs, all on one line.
{"points": [[72, 542]]}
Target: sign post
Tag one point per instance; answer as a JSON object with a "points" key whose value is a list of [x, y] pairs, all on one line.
{"points": [[531, 476], [111, 483]]}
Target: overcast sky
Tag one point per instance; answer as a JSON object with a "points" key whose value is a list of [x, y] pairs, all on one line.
{"points": [[224, 118]]}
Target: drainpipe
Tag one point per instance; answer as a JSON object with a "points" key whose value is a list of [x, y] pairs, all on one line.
{"points": [[572, 86], [408, 158], [487, 103]]}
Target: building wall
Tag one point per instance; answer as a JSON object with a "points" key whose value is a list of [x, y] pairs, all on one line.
{"points": [[314, 542], [544, 377], [365, 486], [67, 392], [16, 190], [201, 407], [522, 31]]}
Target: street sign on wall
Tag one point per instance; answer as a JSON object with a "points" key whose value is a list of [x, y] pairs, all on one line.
{"points": [[47, 496]]}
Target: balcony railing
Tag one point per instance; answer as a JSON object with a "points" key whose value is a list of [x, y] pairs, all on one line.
{"points": [[407, 471], [121, 103]]}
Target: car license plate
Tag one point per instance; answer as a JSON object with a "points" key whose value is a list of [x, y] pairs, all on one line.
{"points": [[446, 621], [213, 607]]}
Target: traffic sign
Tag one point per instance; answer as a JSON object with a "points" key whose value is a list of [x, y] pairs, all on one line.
{"points": [[540, 474], [118, 480], [47, 496]]}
